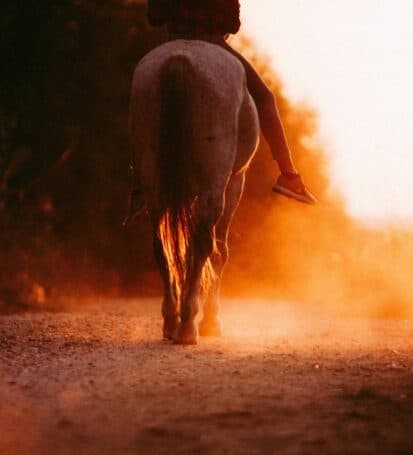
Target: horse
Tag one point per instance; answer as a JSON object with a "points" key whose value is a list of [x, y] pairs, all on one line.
{"points": [[194, 131]]}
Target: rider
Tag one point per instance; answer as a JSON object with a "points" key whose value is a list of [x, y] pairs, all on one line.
{"points": [[213, 21]]}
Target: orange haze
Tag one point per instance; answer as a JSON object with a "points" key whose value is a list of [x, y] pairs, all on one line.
{"points": [[314, 255], [319, 256]]}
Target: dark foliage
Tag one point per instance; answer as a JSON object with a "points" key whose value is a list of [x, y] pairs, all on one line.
{"points": [[64, 90]]}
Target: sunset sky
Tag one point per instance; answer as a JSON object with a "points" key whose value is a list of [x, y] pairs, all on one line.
{"points": [[353, 62]]}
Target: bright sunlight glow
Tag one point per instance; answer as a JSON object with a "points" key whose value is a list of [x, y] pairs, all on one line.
{"points": [[353, 62]]}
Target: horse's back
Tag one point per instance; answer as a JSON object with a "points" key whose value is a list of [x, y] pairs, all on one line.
{"points": [[214, 70], [214, 84], [219, 119]]}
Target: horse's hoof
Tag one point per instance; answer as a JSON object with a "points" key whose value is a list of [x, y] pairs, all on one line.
{"points": [[210, 327], [170, 328], [187, 334], [168, 334]]}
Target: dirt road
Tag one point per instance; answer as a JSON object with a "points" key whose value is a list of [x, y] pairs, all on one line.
{"points": [[101, 381]]}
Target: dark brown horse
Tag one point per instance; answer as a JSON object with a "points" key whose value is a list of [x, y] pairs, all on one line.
{"points": [[194, 130]]}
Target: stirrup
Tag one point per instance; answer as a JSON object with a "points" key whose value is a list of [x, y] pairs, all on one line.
{"points": [[135, 211], [132, 217]]}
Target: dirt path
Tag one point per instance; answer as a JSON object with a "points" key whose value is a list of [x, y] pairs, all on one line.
{"points": [[280, 381]]}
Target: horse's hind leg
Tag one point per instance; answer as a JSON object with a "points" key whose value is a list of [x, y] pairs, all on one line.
{"points": [[210, 210], [170, 311], [211, 324]]}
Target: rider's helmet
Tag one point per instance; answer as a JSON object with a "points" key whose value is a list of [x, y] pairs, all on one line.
{"points": [[196, 16]]}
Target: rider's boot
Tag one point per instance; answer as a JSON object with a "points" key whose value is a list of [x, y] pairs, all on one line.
{"points": [[290, 184]]}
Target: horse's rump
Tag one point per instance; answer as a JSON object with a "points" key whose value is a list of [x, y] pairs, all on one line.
{"points": [[186, 100]]}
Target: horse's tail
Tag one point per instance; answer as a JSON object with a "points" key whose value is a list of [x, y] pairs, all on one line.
{"points": [[177, 199]]}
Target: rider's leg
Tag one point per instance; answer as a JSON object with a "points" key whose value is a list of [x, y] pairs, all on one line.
{"points": [[273, 131], [270, 121]]}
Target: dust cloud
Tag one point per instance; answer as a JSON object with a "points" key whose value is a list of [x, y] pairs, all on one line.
{"points": [[318, 256]]}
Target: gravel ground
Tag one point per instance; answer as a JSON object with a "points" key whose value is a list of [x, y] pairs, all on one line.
{"points": [[100, 380]]}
